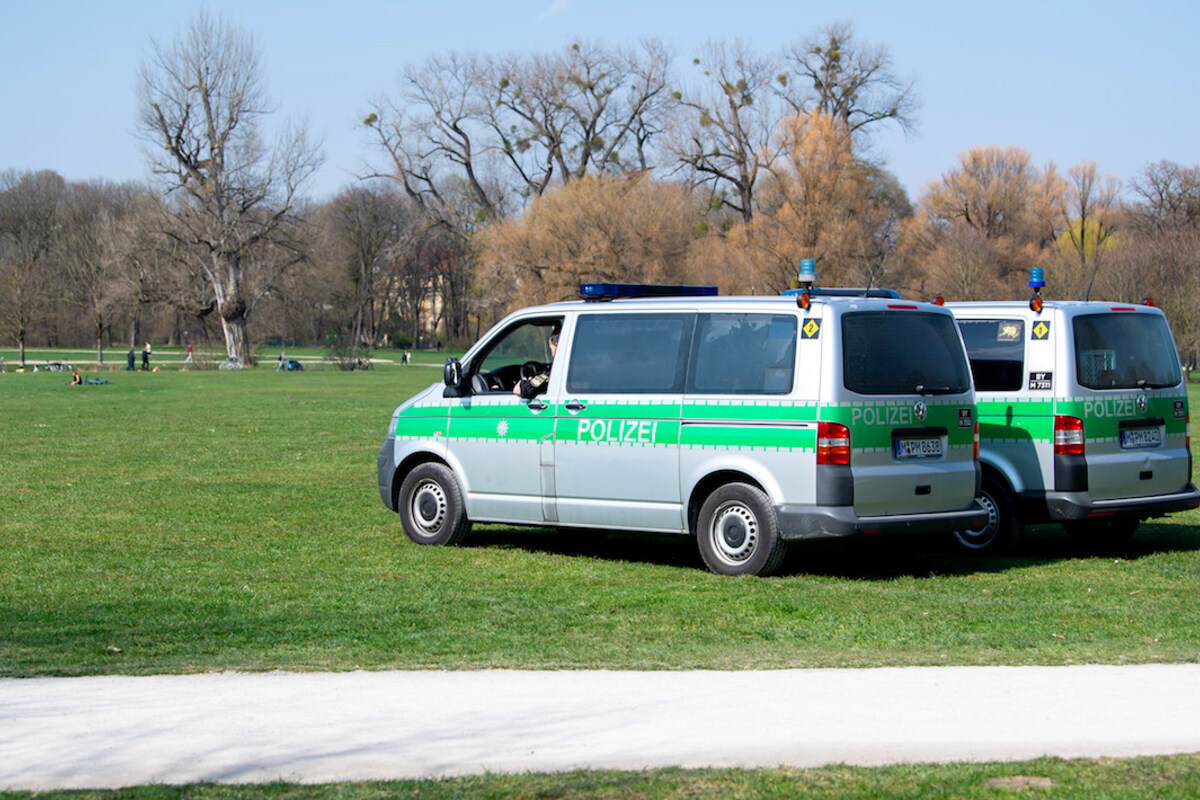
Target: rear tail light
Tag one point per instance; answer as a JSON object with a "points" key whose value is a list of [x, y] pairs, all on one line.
{"points": [[1188, 430], [1068, 436], [833, 443], [976, 441]]}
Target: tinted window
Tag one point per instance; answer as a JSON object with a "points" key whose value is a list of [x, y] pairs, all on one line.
{"points": [[1124, 351], [902, 352], [996, 348], [635, 353], [744, 354]]}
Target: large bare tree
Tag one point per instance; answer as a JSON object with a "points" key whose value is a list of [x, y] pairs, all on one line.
{"points": [[202, 102]]}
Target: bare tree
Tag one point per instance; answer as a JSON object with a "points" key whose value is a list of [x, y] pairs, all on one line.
{"points": [[727, 139], [29, 225], [202, 99], [1170, 197], [832, 73], [473, 139], [1089, 206], [95, 247]]}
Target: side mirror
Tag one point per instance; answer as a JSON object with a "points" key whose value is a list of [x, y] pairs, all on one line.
{"points": [[452, 372]]}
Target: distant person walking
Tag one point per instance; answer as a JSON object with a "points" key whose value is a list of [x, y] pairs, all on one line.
{"points": [[407, 357], [146, 356], [188, 360], [129, 361]]}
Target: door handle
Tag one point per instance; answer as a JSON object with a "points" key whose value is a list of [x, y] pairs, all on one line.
{"points": [[537, 405], [575, 405]]}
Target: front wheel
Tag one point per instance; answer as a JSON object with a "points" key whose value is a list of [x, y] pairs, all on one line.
{"points": [[431, 506], [738, 532], [1003, 529]]}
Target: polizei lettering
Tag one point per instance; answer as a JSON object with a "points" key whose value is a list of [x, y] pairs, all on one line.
{"points": [[631, 431], [882, 415], [1110, 407]]}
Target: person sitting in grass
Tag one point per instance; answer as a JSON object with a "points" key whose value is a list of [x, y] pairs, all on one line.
{"points": [[75, 379]]}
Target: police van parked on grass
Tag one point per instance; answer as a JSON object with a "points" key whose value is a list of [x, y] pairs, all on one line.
{"points": [[1083, 415], [746, 422]]}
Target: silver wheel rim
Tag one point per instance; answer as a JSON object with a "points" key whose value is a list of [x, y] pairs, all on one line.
{"points": [[978, 541], [428, 506], [734, 533]]}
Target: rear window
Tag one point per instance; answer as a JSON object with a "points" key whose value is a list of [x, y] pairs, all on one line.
{"points": [[630, 353], [1124, 351], [996, 349], [903, 352], [744, 354]]}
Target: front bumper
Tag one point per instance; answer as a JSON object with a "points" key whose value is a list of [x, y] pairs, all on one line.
{"points": [[1067, 506], [387, 471], [818, 522]]}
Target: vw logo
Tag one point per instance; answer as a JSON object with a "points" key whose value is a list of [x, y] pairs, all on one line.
{"points": [[1141, 403], [919, 409]]}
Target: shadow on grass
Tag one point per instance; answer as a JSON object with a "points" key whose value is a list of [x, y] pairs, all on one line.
{"points": [[855, 559]]}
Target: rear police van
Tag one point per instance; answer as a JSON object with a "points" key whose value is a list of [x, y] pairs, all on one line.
{"points": [[1083, 416], [746, 422]]}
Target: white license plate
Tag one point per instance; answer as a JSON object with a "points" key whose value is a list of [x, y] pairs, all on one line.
{"points": [[1141, 437], [918, 448]]}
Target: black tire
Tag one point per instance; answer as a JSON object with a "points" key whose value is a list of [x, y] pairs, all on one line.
{"points": [[1099, 535], [1003, 529], [431, 506], [738, 532]]}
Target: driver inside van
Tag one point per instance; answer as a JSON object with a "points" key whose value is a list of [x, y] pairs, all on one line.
{"points": [[532, 386]]}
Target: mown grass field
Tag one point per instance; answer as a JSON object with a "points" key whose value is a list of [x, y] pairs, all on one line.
{"points": [[205, 520], [1172, 778]]}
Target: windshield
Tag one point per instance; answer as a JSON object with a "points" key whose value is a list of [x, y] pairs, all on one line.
{"points": [[1125, 351], [903, 352]]}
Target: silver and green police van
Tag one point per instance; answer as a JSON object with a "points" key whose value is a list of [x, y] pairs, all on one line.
{"points": [[1083, 416], [746, 422]]}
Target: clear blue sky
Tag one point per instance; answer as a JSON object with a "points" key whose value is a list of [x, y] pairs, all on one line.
{"points": [[1113, 82]]}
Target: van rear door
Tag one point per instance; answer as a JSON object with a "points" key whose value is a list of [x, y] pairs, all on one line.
{"points": [[1133, 403], [910, 411]]}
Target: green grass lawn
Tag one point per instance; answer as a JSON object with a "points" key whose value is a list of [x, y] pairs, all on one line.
{"points": [[1168, 778], [204, 520]]}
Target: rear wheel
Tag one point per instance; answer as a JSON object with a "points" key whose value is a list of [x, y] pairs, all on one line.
{"points": [[431, 506], [738, 532], [1003, 529], [1092, 535]]}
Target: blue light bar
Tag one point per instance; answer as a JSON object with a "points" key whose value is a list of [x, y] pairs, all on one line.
{"points": [[612, 291], [1037, 278], [825, 291]]}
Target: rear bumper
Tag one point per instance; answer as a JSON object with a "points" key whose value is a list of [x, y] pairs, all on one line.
{"points": [[1068, 506], [809, 522]]}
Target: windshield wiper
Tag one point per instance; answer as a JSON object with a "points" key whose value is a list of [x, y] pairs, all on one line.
{"points": [[921, 388], [1145, 384]]}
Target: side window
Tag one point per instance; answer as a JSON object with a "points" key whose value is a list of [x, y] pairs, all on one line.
{"points": [[996, 348], [499, 368], [743, 354], [629, 353]]}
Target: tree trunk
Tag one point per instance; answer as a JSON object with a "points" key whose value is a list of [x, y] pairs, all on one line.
{"points": [[237, 339], [100, 342]]}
